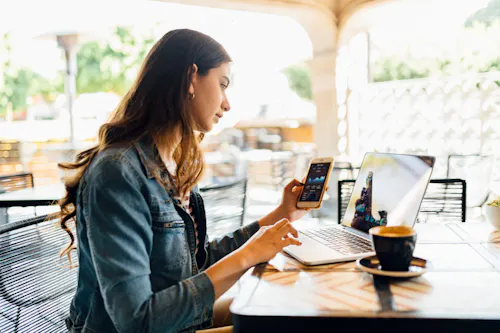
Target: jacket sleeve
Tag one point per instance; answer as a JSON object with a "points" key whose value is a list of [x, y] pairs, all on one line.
{"points": [[120, 239], [222, 246]]}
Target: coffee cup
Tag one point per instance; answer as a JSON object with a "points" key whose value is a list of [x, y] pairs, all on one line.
{"points": [[394, 246]]}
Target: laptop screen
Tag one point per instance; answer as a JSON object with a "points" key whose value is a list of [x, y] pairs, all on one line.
{"points": [[388, 191]]}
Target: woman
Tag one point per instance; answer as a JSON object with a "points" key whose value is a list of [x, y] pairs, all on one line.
{"points": [[145, 264]]}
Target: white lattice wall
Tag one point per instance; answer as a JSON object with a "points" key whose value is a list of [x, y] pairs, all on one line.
{"points": [[438, 116]]}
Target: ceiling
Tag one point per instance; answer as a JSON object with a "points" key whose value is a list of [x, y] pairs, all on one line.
{"points": [[320, 18], [335, 8]]}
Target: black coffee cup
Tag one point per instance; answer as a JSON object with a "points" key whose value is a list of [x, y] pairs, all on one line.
{"points": [[394, 246]]}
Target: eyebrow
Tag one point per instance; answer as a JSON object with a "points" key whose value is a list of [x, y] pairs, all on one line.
{"points": [[228, 81]]}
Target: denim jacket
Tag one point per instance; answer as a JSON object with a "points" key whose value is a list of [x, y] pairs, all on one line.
{"points": [[136, 249]]}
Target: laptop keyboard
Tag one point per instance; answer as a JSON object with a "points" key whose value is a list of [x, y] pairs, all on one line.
{"points": [[340, 240]]}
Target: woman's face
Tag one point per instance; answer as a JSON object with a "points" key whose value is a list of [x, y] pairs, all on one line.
{"points": [[210, 101]]}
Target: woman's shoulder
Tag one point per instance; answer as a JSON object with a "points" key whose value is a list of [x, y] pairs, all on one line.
{"points": [[116, 160]]}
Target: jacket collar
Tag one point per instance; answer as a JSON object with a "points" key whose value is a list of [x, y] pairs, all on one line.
{"points": [[148, 153]]}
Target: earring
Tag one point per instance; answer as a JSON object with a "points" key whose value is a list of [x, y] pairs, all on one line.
{"points": [[191, 96]]}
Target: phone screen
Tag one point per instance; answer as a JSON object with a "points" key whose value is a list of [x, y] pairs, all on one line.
{"points": [[315, 182]]}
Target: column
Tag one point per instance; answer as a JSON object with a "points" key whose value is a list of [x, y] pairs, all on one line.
{"points": [[323, 70], [326, 137], [69, 44]]}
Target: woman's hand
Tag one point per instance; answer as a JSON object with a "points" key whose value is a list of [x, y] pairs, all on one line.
{"points": [[268, 241], [288, 207]]}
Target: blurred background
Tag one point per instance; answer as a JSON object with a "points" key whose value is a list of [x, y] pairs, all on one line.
{"points": [[310, 78]]}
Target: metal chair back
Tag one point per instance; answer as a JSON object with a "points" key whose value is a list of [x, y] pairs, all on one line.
{"points": [[224, 206], [36, 285]]}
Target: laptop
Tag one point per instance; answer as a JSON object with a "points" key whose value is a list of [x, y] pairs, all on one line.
{"points": [[388, 191]]}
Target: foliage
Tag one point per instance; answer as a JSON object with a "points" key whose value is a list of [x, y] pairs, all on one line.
{"points": [[486, 15], [495, 202], [299, 80], [110, 66], [21, 83], [493, 65], [476, 51], [392, 70], [102, 66]]}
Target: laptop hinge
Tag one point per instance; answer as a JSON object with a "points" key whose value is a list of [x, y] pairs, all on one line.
{"points": [[357, 232]]}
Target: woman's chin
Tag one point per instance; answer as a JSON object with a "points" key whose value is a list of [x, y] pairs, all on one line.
{"points": [[205, 129]]}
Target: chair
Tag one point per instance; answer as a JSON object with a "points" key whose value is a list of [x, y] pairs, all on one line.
{"points": [[344, 191], [477, 171], [36, 286], [16, 182], [224, 206], [444, 198]]}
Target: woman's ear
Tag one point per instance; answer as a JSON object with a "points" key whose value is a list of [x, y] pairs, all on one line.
{"points": [[192, 77]]}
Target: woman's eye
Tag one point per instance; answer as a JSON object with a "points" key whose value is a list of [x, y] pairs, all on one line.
{"points": [[224, 86]]}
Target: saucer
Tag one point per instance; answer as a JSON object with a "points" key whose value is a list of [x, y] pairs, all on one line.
{"points": [[371, 265]]}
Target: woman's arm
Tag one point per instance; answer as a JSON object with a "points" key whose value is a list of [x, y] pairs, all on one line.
{"points": [[220, 247], [261, 247]]}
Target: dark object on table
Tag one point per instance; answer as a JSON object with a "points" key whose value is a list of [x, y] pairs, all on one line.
{"points": [[371, 264], [394, 246]]}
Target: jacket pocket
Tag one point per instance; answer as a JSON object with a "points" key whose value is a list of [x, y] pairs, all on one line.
{"points": [[173, 226], [170, 250], [162, 209]]}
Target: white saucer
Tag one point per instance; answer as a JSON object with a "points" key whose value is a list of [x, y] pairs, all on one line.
{"points": [[371, 265]]}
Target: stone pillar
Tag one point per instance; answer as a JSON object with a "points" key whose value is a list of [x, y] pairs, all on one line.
{"points": [[326, 137], [69, 44], [323, 78]]}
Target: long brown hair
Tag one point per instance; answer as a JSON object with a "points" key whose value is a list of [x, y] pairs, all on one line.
{"points": [[156, 104]]}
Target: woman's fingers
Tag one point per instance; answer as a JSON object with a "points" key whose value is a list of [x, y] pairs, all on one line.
{"points": [[292, 184], [286, 229], [283, 227], [280, 224], [291, 241]]}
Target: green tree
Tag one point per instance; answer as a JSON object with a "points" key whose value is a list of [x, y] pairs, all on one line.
{"points": [[102, 66], [20, 83], [493, 65], [110, 66], [299, 80], [388, 70], [486, 15]]}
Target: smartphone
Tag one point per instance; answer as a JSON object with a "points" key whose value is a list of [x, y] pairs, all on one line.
{"points": [[315, 183]]}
